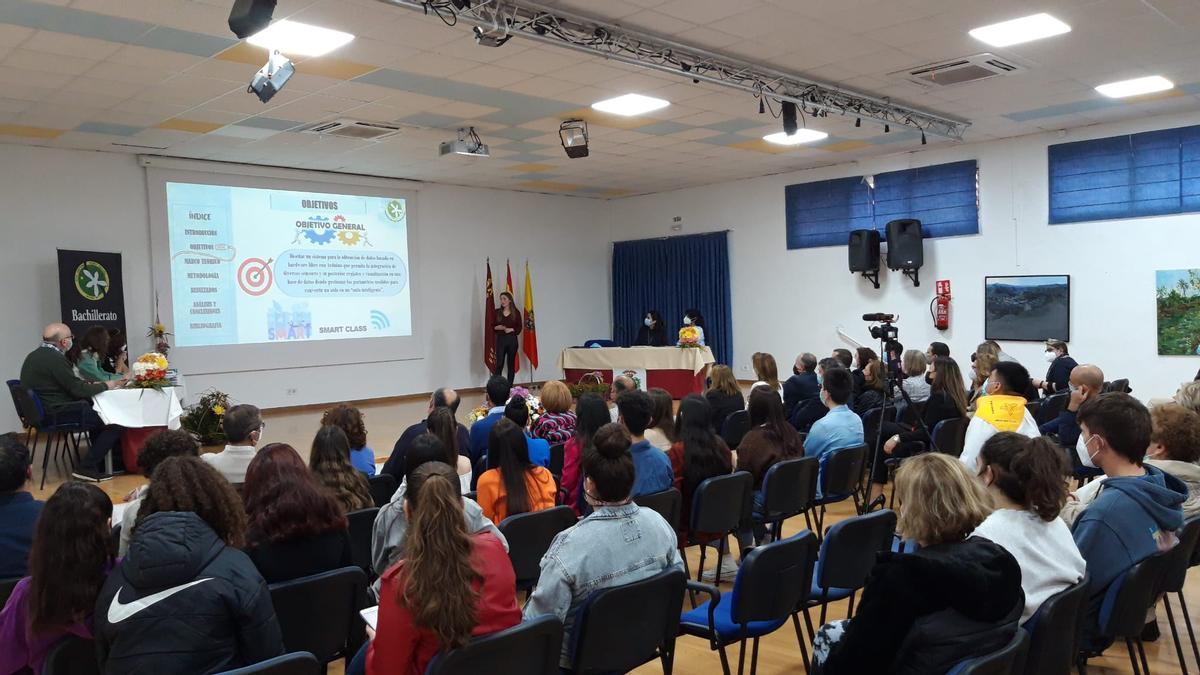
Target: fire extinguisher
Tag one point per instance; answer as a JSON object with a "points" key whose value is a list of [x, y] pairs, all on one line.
{"points": [[941, 313]]}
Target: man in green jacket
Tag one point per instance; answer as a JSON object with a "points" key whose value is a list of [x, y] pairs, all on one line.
{"points": [[67, 398]]}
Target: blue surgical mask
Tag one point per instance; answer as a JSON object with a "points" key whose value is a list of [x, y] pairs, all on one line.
{"points": [[820, 379], [648, 321]]}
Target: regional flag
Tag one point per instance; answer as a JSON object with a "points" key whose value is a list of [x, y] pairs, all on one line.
{"points": [[509, 287], [489, 322], [529, 335]]}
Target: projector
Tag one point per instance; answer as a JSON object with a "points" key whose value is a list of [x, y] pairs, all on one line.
{"points": [[468, 144], [271, 77]]}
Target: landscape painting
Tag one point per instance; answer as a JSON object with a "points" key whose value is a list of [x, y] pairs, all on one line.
{"points": [[1032, 308], [1177, 293]]}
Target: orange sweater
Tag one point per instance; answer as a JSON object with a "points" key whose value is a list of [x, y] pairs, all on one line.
{"points": [[493, 498]]}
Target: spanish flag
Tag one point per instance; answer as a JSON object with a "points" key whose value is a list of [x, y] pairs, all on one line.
{"points": [[509, 287], [529, 335]]}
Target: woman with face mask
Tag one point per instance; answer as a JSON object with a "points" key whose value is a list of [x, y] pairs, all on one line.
{"points": [[1059, 372], [652, 333], [693, 319]]}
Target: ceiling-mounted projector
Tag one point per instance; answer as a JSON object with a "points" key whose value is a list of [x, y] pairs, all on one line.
{"points": [[468, 144]]}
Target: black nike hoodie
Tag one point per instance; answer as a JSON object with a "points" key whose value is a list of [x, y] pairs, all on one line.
{"points": [[183, 602]]}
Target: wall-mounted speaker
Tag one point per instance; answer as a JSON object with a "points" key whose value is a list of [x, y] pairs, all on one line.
{"points": [[864, 254], [906, 247]]}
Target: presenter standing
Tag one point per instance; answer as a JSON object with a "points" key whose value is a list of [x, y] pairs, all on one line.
{"points": [[508, 326]]}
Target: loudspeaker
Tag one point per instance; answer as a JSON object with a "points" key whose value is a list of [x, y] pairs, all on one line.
{"points": [[864, 251], [905, 245], [250, 16]]}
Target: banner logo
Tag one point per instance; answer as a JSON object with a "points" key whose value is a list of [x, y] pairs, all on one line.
{"points": [[91, 280], [395, 210]]}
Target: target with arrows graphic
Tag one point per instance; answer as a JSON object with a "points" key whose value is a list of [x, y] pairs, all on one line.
{"points": [[254, 276]]}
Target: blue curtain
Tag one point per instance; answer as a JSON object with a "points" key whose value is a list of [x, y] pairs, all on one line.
{"points": [[673, 275]]}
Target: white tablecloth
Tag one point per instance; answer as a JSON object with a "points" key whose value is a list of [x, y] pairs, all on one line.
{"points": [[644, 358], [138, 408]]}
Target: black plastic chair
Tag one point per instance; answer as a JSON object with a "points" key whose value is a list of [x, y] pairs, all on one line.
{"points": [[666, 503], [557, 460], [720, 505], [1054, 630], [481, 465], [620, 628], [296, 663], [116, 537], [72, 655], [735, 428], [1121, 385], [6, 588], [789, 488], [847, 555], [1033, 407], [844, 472], [528, 648], [1123, 611], [1180, 559], [950, 435], [529, 536], [362, 522], [319, 613], [1052, 407], [61, 433], [772, 582], [382, 486], [1008, 661]]}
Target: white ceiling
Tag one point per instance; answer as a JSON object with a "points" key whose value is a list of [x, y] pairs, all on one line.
{"points": [[167, 77]]}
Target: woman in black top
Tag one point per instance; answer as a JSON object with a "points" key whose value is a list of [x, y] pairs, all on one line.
{"points": [[1058, 375], [296, 528], [870, 396], [724, 396], [652, 333], [507, 328]]}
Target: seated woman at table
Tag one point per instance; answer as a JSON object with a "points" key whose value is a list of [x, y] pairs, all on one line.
{"points": [[89, 353], [159, 446], [652, 333], [693, 319]]}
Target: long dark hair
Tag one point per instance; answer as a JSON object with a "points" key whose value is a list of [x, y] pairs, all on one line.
{"points": [[591, 413], [766, 410], [439, 582], [702, 456], [94, 340], [512, 304], [71, 555], [508, 452], [284, 501], [441, 423], [657, 319], [664, 412], [608, 463], [1029, 471], [190, 485], [330, 463]]}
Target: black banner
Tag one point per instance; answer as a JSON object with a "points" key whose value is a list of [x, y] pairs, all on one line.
{"points": [[90, 290]]}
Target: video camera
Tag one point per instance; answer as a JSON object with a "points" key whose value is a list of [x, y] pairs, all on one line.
{"points": [[886, 330]]}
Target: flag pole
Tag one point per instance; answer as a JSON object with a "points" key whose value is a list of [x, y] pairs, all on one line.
{"points": [[531, 366]]}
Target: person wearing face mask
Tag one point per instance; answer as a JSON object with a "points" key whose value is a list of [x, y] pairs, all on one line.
{"points": [[1059, 373], [1086, 382], [652, 333], [693, 318], [1001, 408], [840, 428], [1137, 510], [802, 385], [68, 399], [809, 410]]}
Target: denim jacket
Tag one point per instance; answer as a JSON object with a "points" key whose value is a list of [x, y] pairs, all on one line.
{"points": [[615, 545]]}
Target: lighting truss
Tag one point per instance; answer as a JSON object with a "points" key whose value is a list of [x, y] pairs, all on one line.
{"points": [[610, 41]]}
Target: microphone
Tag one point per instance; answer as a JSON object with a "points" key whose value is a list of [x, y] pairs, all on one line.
{"points": [[878, 317]]}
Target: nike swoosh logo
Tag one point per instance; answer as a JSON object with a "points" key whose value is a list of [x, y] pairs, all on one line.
{"points": [[119, 611]]}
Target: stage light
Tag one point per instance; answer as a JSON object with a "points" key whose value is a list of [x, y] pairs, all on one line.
{"points": [[1135, 87], [250, 16], [574, 137], [494, 37], [762, 108], [922, 137], [299, 39], [460, 5], [1016, 31], [789, 117], [270, 78], [887, 129], [857, 122], [799, 137], [630, 105]]}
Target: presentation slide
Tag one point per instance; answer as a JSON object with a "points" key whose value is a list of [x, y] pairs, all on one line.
{"points": [[253, 266]]}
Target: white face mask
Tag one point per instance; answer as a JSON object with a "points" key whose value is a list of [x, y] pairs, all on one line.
{"points": [[687, 320], [1050, 356], [1081, 449]]}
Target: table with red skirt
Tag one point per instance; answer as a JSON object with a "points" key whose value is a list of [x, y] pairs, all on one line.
{"points": [[141, 413], [679, 370]]}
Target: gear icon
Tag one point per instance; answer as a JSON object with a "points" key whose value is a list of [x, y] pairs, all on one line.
{"points": [[349, 238], [322, 237]]}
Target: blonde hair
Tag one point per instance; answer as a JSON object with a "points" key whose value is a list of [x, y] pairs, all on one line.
{"points": [[765, 369], [1188, 396], [940, 501], [914, 363], [723, 380], [989, 348], [874, 369], [984, 364], [556, 397]]}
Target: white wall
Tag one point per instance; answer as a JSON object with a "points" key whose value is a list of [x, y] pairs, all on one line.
{"points": [[97, 201], [786, 301]]}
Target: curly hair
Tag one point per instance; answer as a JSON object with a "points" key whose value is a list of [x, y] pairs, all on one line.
{"points": [[188, 484], [350, 420], [71, 555], [330, 464], [1177, 430], [164, 444], [284, 501]]}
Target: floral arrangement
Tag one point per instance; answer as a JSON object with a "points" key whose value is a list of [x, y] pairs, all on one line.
{"points": [[204, 420], [158, 332], [477, 414], [149, 372], [590, 383], [536, 409], [689, 337]]}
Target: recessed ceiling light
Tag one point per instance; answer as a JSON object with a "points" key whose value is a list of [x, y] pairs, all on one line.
{"points": [[299, 39], [1016, 31], [801, 136], [1135, 87], [630, 105]]}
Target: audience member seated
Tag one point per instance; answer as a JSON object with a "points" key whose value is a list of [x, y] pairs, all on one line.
{"points": [[591, 413], [1137, 511], [914, 384], [620, 385], [723, 394], [72, 554], [18, 509], [158, 446], [1002, 408], [870, 395], [1025, 478], [1188, 396], [67, 398], [767, 373], [557, 424], [1059, 373], [517, 411], [696, 456], [89, 353], [981, 366], [1085, 382], [964, 590], [350, 420], [770, 441], [513, 484], [498, 390], [653, 469], [295, 528], [441, 423], [330, 464], [185, 599], [117, 358], [844, 358], [802, 385], [619, 543], [839, 429], [661, 432], [862, 356], [451, 584], [441, 398], [937, 349], [810, 410], [243, 427]]}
